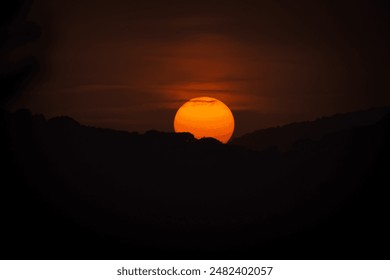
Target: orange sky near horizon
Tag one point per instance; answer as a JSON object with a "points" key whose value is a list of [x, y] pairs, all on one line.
{"points": [[131, 65]]}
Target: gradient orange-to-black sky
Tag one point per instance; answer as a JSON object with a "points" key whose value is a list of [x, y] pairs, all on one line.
{"points": [[131, 64]]}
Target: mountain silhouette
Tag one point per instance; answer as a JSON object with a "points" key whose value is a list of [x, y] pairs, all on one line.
{"points": [[312, 190], [283, 137], [74, 191]]}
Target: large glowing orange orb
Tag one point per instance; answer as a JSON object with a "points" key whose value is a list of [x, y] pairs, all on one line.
{"points": [[205, 117]]}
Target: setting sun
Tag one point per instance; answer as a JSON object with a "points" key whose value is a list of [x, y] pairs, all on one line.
{"points": [[205, 117]]}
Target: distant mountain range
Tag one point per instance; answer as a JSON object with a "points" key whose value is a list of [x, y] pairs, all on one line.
{"points": [[283, 137], [307, 190]]}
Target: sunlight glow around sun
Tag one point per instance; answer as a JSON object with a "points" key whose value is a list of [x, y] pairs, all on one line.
{"points": [[205, 117]]}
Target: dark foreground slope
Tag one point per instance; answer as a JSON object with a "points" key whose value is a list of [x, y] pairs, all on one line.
{"points": [[283, 137], [72, 191]]}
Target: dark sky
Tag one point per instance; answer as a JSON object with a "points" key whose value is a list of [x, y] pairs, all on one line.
{"points": [[130, 64]]}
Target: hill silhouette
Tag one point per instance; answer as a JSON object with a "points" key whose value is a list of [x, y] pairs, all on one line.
{"points": [[283, 137], [74, 191], [314, 190]]}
